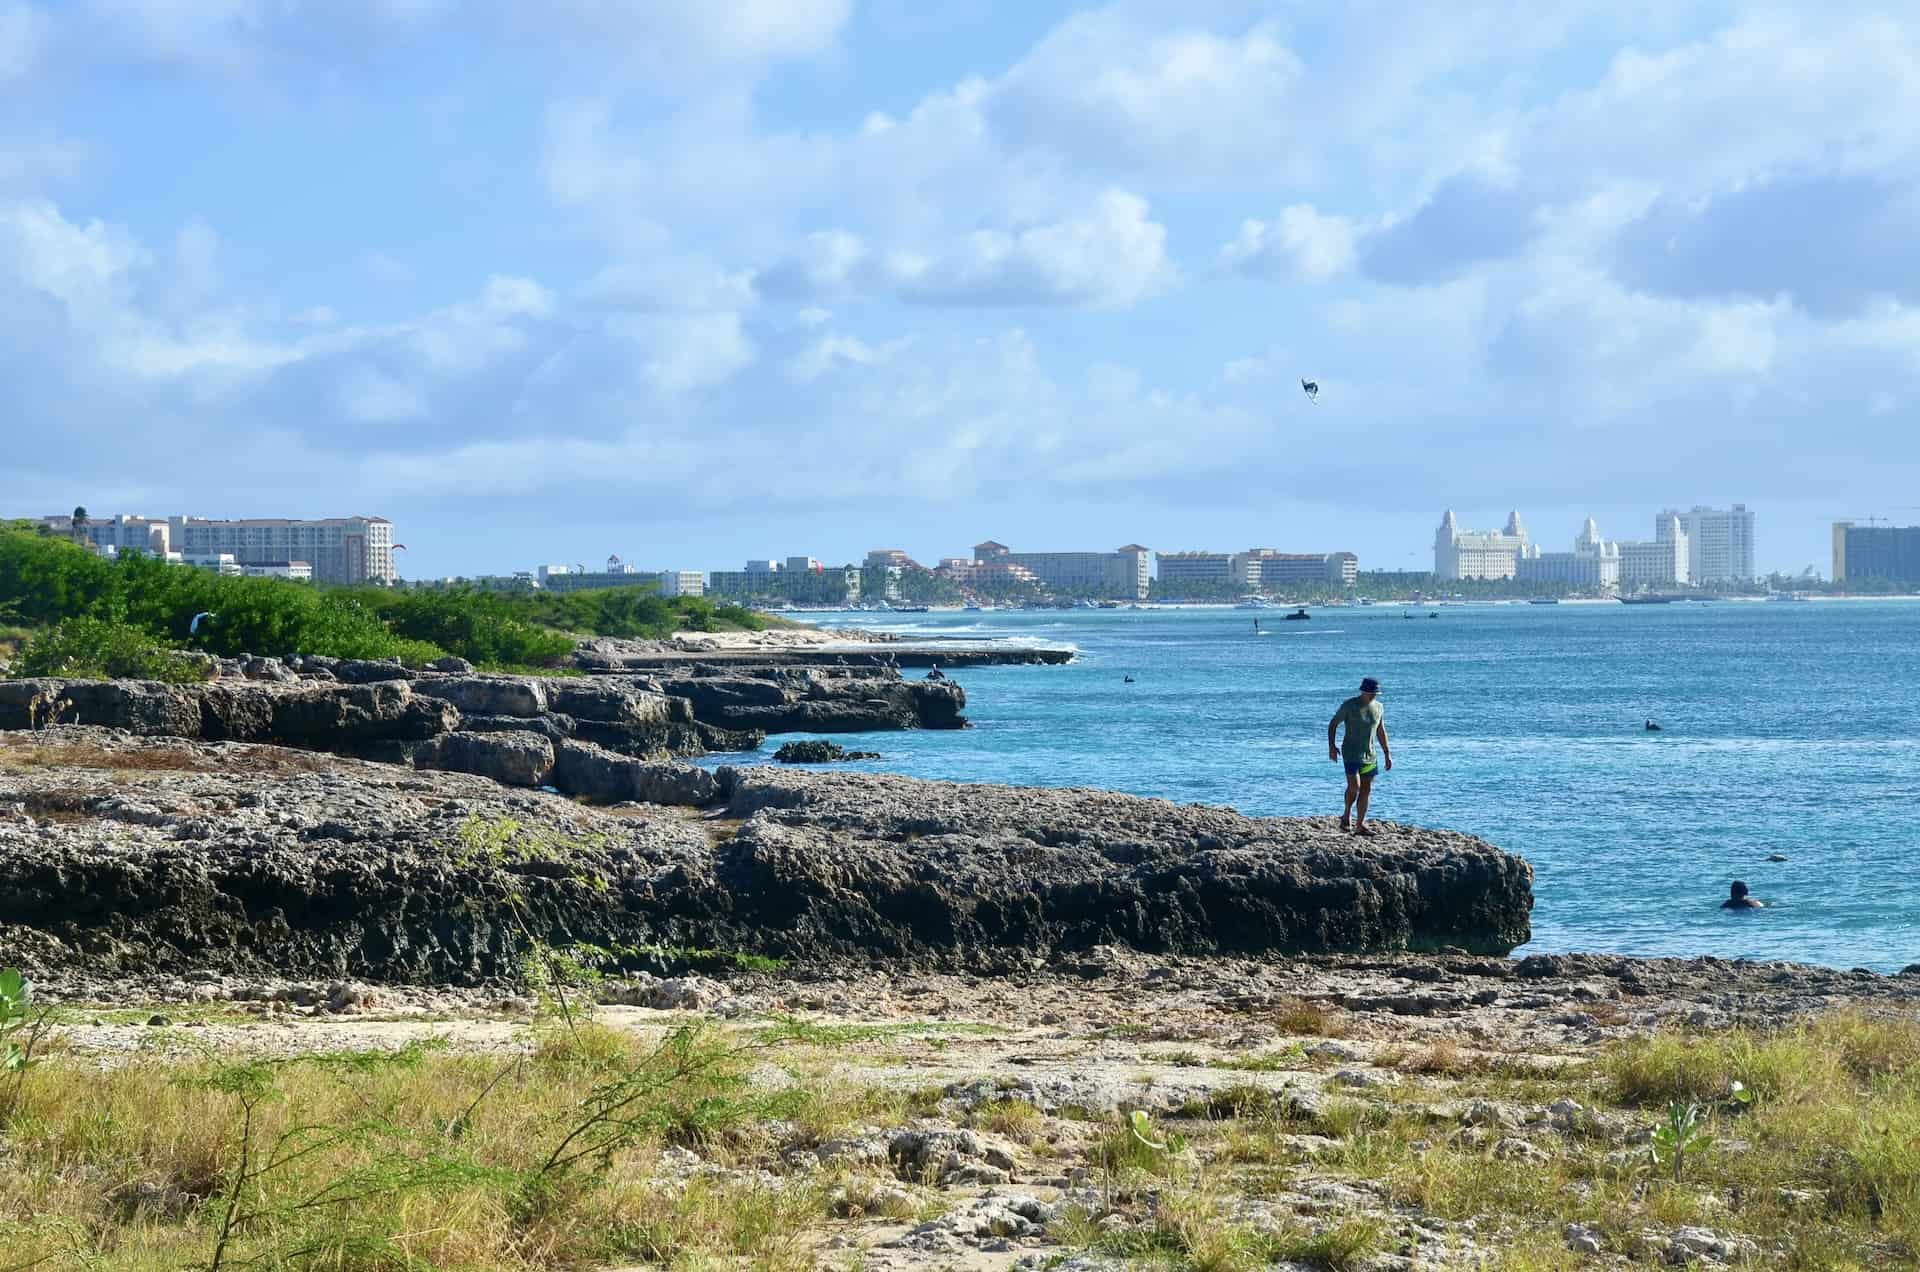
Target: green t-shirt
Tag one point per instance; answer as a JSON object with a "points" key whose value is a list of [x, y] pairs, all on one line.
{"points": [[1362, 720]]}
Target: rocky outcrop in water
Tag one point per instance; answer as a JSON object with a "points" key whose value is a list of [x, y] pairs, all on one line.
{"points": [[819, 752], [817, 699], [122, 853], [615, 655]]}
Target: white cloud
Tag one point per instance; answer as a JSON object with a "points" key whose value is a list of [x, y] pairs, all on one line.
{"points": [[680, 354], [1115, 254], [1302, 243], [1772, 91], [1115, 92], [833, 352]]}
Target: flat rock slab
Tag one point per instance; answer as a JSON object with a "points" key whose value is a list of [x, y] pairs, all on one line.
{"points": [[126, 853]]}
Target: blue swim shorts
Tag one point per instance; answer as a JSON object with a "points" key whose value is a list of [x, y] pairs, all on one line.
{"points": [[1369, 769]]}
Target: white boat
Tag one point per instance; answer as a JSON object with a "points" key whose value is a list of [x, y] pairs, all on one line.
{"points": [[1254, 603]]}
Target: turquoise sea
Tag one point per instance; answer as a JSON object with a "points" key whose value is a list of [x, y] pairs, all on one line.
{"points": [[1787, 728]]}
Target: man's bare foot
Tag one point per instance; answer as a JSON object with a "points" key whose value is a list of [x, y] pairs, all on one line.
{"points": [[1345, 824], [1361, 829]]}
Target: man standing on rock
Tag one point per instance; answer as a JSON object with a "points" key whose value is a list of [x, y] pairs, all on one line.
{"points": [[1365, 720]]}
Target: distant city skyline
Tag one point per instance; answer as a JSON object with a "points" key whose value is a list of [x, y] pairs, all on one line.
{"points": [[697, 282], [703, 557]]}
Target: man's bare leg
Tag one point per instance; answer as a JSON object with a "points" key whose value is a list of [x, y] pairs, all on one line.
{"points": [[1360, 813], [1346, 809]]}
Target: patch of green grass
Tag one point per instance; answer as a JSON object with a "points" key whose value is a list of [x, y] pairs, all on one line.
{"points": [[1017, 1120], [1339, 1246], [812, 1033], [1283, 1061]]}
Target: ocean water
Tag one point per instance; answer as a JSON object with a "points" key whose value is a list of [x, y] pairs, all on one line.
{"points": [[1791, 729]]}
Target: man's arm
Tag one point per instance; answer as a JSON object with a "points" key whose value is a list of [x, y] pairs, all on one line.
{"points": [[1386, 751], [1333, 751]]}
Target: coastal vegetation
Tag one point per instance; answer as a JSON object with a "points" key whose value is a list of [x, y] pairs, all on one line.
{"points": [[688, 1144], [71, 612]]}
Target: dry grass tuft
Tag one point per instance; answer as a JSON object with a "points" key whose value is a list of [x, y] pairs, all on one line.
{"points": [[1303, 1017], [88, 755]]}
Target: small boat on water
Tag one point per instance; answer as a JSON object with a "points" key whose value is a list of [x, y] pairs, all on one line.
{"points": [[1298, 616], [1544, 600]]}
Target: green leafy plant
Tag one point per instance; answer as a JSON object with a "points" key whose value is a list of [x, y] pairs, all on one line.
{"points": [[1141, 1127], [1683, 1134], [20, 1030]]}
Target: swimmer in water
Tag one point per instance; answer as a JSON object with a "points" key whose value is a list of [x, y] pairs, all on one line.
{"points": [[1738, 899]]}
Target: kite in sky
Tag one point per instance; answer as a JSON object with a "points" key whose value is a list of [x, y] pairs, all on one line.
{"points": [[1312, 390]]}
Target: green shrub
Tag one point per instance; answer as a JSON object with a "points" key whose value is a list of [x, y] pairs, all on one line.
{"points": [[482, 627], [89, 649], [46, 580]]}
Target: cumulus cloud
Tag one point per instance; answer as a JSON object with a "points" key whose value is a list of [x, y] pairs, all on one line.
{"points": [[1114, 92], [1303, 243], [1115, 254]]}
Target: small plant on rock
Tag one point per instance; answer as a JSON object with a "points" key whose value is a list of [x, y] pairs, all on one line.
{"points": [[1681, 1135]]}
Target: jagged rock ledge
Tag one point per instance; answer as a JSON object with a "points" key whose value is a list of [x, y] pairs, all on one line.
{"points": [[122, 854], [522, 731], [609, 655]]}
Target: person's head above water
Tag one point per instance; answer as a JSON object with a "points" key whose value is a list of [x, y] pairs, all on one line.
{"points": [[1369, 687], [1739, 891]]}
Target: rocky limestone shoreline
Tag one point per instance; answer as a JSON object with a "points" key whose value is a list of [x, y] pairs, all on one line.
{"points": [[125, 854], [810, 648], [568, 732]]}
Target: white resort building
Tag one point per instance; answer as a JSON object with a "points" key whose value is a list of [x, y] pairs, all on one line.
{"points": [[335, 549], [1662, 561], [1478, 554], [1719, 543], [1594, 563], [1124, 572]]}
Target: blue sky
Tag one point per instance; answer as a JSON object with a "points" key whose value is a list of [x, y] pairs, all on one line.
{"points": [[543, 280]]}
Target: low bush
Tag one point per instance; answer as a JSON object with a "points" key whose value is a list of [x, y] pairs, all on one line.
{"points": [[90, 649]]}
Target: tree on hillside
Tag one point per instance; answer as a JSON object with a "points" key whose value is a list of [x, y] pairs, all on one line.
{"points": [[80, 521]]}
